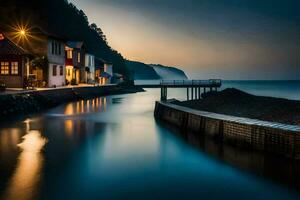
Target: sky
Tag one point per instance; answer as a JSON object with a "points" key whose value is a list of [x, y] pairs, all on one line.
{"points": [[227, 39]]}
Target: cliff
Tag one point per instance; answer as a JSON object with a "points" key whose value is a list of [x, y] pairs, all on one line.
{"points": [[142, 71]]}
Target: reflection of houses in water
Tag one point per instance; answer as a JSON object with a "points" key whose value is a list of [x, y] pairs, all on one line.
{"points": [[25, 181], [86, 106], [74, 127]]}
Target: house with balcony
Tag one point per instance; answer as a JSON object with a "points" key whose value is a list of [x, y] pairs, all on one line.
{"points": [[76, 71], [14, 63], [103, 71]]}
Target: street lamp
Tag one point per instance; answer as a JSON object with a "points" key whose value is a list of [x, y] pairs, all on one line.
{"points": [[22, 32]]}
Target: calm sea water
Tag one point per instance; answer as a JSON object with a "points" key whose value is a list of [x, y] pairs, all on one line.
{"points": [[112, 148]]}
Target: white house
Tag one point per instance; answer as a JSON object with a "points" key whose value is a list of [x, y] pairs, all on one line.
{"points": [[56, 58], [90, 65]]}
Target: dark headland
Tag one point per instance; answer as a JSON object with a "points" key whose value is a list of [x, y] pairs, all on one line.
{"points": [[241, 104]]}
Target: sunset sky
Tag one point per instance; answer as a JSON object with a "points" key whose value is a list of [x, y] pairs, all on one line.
{"points": [[228, 39]]}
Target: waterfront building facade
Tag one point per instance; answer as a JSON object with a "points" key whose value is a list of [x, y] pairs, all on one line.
{"points": [[103, 71], [90, 68], [56, 59], [47, 68], [14, 63], [75, 63]]}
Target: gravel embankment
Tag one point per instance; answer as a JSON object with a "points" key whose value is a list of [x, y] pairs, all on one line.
{"points": [[238, 103]]}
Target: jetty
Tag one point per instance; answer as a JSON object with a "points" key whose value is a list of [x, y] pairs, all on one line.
{"points": [[239, 131], [194, 88]]}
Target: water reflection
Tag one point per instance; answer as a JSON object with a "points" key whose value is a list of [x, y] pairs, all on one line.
{"points": [[24, 183], [112, 148], [277, 168], [86, 106]]}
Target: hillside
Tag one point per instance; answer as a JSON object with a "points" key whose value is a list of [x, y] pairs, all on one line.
{"points": [[62, 19], [142, 71], [169, 72]]}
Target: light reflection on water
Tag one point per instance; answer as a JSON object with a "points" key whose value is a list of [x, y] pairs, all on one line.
{"points": [[112, 148], [24, 183]]}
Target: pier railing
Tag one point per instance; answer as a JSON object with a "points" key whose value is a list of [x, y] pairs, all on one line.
{"points": [[191, 83], [194, 88]]}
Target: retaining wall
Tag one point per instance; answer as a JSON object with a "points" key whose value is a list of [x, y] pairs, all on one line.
{"points": [[13, 106], [247, 133]]}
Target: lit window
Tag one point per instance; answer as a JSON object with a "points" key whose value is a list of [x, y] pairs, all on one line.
{"points": [[54, 72], [61, 70], [14, 68], [78, 57], [4, 68], [69, 54]]}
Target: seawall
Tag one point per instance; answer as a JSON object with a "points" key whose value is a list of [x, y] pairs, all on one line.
{"points": [[246, 133], [13, 106]]}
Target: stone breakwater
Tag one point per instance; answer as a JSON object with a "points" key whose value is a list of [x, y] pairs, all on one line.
{"points": [[243, 132], [13, 106]]}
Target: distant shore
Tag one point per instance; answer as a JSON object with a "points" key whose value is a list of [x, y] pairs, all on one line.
{"points": [[241, 104]]}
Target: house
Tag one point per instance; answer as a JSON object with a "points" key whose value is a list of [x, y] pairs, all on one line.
{"points": [[48, 66], [117, 78], [75, 62], [14, 63], [90, 68], [56, 59], [103, 71]]}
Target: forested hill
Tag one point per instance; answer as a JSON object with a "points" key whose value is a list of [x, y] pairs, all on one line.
{"points": [[63, 19]]}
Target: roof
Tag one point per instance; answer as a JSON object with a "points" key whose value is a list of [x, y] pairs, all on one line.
{"points": [[75, 44], [7, 47], [118, 75], [101, 61], [105, 75]]}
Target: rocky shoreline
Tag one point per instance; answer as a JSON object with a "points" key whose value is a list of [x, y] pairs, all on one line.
{"points": [[241, 104], [14, 106]]}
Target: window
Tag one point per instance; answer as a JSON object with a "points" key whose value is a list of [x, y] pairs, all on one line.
{"points": [[54, 72], [69, 54], [59, 49], [14, 70], [53, 47], [78, 57], [89, 61], [61, 70], [4, 68], [1, 36], [55, 51]]}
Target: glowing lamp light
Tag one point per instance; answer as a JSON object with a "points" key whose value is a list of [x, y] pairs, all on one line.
{"points": [[22, 32], [1, 36]]}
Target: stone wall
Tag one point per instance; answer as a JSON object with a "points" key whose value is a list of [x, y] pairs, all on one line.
{"points": [[246, 133], [13, 106]]}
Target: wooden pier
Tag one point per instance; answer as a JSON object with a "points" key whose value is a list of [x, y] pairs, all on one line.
{"points": [[194, 88]]}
